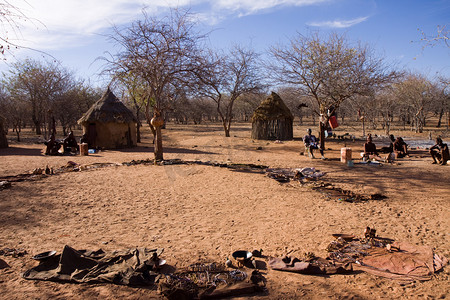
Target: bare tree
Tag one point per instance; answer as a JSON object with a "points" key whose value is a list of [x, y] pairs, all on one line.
{"points": [[443, 101], [73, 101], [299, 104], [16, 113], [227, 77], [330, 70], [442, 35], [42, 86], [418, 94], [11, 17], [161, 52], [136, 90]]}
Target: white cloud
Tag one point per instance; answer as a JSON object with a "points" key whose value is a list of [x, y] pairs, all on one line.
{"points": [[339, 23], [246, 7], [59, 24]]}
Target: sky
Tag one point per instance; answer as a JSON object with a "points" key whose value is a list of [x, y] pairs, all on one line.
{"points": [[75, 31]]}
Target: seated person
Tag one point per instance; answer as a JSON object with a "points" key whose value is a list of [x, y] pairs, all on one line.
{"points": [[310, 142], [400, 148], [370, 150], [70, 143], [389, 149], [439, 152], [84, 139], [52, 146]]}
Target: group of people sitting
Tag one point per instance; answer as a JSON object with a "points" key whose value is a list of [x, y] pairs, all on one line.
{"points": [[397, 148], [69, 144]]}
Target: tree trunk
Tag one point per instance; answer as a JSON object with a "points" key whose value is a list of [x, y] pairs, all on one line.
{"points": [[37, 125], [18, 135], [227, 131], [363, 127], [226, 128], [158, 144], [441, 114], [3, 138], [322, 135], [138, 132]]}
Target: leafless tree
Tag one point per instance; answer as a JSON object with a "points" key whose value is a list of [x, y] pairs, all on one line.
{"points": [[299, 104], [134, 94], [246, 105], [330, 70], [225, 78], [418, 94], [49, 91], [443, 107], [73, 101], [11, 17], [162, 53], [40, 84], [442, 35], [15, 111]]}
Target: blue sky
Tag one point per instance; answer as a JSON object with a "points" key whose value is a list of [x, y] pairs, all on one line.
{"points": [[73, 31]]}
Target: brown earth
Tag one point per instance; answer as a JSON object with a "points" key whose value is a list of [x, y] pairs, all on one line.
{"points": [[200, 212]]}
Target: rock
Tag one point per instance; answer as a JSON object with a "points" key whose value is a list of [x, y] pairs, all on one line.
{"points": [[3, 264], [5, 185]]}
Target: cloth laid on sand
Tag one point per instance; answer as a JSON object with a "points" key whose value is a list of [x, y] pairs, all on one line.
{"points": [[314, 266], [210, 281], [126, 267], [406, 263], [381, 257], [287, 174], [378, 256]]}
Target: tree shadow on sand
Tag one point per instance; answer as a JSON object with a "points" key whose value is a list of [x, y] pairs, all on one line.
{"points": [[19, 211], [166, 150], [19, 151]]}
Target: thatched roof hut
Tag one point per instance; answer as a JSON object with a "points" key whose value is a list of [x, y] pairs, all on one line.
{"points": [[3, 139], [109, 124], [272, 120]]}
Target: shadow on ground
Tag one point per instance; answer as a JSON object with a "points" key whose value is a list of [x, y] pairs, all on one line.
{"points": [[20, 151]]}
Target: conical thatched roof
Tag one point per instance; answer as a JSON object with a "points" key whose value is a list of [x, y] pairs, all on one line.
{"points": [[272, 108], [108, 109]]}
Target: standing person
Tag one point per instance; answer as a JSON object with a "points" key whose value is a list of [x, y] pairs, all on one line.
{"points": [[311, 143], [439, 152]]}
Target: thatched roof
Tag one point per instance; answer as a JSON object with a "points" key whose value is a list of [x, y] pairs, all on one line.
{"points": [[108, 109], [272, 108]]}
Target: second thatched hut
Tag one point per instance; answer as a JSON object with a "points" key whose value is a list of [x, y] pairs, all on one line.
{"points": [[272, 120], [109, 124]]}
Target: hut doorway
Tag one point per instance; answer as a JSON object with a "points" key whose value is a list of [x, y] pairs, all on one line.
{"points": [[128, 135], [92, 134]]}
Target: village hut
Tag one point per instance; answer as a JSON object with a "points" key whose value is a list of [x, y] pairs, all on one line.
{"points": [[3, 139], [109, 124], [272, 120]]}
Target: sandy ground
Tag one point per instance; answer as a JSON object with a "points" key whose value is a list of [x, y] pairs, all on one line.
{"points": [[198, 212]]}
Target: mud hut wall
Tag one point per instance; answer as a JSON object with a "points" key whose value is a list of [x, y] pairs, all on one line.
{"points": [[277, 129], [113, 135]]}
